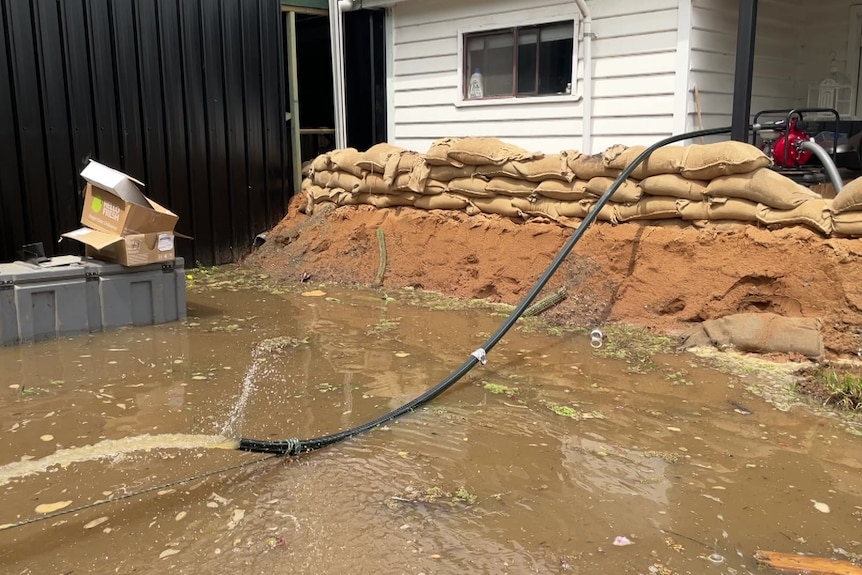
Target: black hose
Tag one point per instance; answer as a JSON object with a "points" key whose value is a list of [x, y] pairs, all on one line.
{"points": [[297, 446]]}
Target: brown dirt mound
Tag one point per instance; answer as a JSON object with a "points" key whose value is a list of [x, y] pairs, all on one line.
{"points": [[659, 277]]}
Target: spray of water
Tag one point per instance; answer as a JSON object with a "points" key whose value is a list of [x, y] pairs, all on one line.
{"points": [[112, 448], [233, 425]]}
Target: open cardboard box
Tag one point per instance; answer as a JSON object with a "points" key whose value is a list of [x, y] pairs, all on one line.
{"points": [[122, 225]]}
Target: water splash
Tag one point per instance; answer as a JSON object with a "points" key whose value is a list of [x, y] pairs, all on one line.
{"points": [[233, 425], [110, 448]]}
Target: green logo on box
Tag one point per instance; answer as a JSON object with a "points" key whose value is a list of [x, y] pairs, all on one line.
{"points": [[96, 206]]}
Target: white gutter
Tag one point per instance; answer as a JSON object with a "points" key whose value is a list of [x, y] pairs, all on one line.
{"points": [[336, 37], [587, 115]]}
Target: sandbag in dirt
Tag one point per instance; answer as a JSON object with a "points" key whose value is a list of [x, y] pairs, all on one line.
{"points": [[849, 199], [648, 208], [710, 161], [759, 333], [321, 178], [538, 170], [714, 209], [379, 201], [553, 209], [815, 214], [442, 201], [674, 186], [346, 160], [763, 186], [375, 158], [438, 154], [584, 167], [665, 160], [500, 205], [567, 191], [627, 193], [483, 151]]}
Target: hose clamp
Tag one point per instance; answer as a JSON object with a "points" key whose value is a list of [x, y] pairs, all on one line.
{"points": [[480, 355]]}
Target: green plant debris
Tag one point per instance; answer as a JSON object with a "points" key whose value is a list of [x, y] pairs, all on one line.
{"points": [[326, 387], [840, 388], [667, 456], [279, 344], [571, 412], [633, 345], [384, 325], [499, 389], [677, 377]]}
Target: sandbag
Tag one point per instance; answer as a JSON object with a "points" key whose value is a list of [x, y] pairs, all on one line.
{"points": [[377, 156], [550, 208], [449, 173], [510, 187], [847, 224], [717, 209], [648, 208], [344, 181], [849, 199], [438, 154], [443, 201], [763, 186], [374, 184], [483, 151], [433, 187], [471, 187], [379, 201], [402, 163], [346, 160], [321, 163], [586, 167], [552, 166], [401, 183], [557, 190], [500, 205], [759, 333], [673, 185], [627, 193], [321, 178], [710, 161], [665, 160], [815, 214]]}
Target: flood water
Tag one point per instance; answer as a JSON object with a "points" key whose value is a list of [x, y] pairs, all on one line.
{"points": [[549, 459]]}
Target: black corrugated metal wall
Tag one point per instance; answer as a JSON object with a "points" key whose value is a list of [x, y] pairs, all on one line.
{"points": [[184, 95]]}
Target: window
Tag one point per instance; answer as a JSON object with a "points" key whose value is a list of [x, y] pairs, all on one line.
{"points": [[519, 62]]}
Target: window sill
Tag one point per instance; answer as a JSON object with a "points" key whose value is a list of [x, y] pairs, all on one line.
{"points": [[558, 98]]}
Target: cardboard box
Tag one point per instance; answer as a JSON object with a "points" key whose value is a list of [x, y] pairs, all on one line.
{"points": [[114, 203], [129, 250], [122, 225]]}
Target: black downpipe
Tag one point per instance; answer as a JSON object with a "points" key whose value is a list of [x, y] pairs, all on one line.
{"points": [[297, 446]]}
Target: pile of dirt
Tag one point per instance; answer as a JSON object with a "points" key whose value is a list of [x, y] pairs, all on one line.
{"points": [[662, 277]]}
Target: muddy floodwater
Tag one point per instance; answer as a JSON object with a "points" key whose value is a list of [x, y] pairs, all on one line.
{"points": [[552, 458]]}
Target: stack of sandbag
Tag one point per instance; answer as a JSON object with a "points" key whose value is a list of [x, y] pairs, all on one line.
{"points": [[697, 184]]}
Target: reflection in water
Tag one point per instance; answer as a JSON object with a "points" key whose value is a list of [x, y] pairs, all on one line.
{"points": [[476, 482]]}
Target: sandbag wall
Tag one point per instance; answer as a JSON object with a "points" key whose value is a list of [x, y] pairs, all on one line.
{"points": [[697, 184]]}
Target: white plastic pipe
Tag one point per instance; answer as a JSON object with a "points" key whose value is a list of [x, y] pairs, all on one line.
{"points": [[336, 38], [587, 115]]}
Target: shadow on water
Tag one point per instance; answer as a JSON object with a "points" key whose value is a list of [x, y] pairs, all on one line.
{"points": [[550, 459]]}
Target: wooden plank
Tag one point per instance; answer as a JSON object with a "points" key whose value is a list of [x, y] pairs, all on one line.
{"points": [[427, 65], [644, 85], [502, 129], [792, 563], [627, 25], [635, 65], [469, 14], [636, 44], [514, 111], [440, 47], [430, 97], [447, 79]]}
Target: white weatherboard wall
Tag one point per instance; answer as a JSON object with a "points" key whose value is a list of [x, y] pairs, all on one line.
{"points": [[779, 56], [634, 61]]}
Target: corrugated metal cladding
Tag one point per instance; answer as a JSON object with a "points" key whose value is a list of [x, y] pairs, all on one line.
{"points": [[184, 95]]}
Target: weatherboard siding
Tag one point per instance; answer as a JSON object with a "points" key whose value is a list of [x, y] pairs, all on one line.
{"points": [[776, 83], [634, 62]]}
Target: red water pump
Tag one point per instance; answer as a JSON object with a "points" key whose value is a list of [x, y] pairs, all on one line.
{"points": [[786, 151]]}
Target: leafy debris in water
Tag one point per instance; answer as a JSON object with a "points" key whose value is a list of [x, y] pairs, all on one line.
{"points": [[281, 343]]}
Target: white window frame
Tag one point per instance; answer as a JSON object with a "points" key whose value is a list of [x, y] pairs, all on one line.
{"points": [[853, 44], [513, 21]]}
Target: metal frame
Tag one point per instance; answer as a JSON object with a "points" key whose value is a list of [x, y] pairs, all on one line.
{"points": [[744, 71]]}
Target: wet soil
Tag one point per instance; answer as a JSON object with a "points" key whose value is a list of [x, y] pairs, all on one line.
{"points": [[553, 458], [659, 277]]}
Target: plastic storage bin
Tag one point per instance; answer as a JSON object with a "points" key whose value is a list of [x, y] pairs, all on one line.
{"points": [[39, 302]]}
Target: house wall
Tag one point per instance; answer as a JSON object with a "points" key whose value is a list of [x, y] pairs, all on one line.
{"points": [[634, 61], [796, 42]]}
